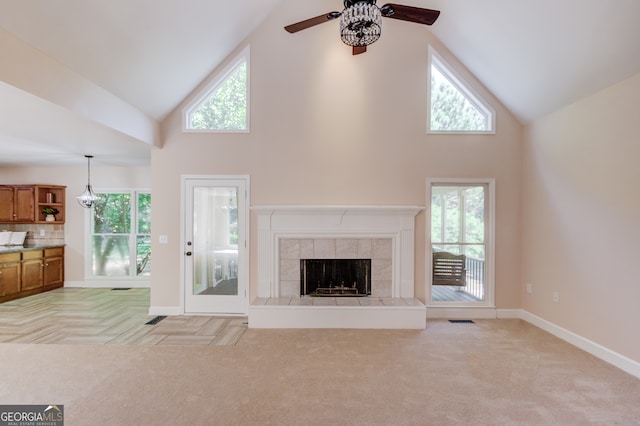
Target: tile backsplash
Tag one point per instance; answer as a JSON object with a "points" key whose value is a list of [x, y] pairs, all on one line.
{"points": [[37, 233]]}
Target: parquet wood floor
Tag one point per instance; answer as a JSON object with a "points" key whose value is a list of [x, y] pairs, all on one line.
{"points": [[108, 317]]}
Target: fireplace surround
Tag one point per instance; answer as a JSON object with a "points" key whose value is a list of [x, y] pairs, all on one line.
{"points": [[393, 224], [286, 234]]}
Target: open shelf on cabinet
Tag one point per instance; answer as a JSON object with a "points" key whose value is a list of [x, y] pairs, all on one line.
{"points": [[50, 196]]}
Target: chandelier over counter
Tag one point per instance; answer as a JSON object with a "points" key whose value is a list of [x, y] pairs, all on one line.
{"points": [[88, 197]]}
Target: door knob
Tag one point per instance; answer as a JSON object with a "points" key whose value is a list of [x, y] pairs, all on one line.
{"points": [[188, 253]]}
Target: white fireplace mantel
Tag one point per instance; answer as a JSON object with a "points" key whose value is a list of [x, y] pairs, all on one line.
{"points": [[277, 222]]}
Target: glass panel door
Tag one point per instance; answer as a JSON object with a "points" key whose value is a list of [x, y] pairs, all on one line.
{"points": [[214, 248], [458, 243]]}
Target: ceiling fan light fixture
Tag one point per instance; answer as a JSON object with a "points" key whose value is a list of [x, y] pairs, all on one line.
{"points": [[361, 24]]}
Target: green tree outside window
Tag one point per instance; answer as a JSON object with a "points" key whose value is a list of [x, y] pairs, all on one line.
{"points": [[114, 242], [226, 108]]}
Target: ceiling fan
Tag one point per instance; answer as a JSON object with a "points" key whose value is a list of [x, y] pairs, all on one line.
{"points": [[361, 21]]}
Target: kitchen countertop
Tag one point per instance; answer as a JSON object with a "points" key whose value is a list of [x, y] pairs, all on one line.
{"points": [[26, 247]]}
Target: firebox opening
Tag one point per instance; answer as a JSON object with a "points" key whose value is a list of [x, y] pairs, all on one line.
{"points": [[335, 277]]}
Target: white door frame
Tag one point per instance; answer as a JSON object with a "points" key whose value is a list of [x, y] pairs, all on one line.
{"points": [[243, 267], [450, 309]]}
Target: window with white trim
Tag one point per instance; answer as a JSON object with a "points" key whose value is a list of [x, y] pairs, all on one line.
{"points": [[461, 235], [224, 104], [453, 106], [119, 240]]}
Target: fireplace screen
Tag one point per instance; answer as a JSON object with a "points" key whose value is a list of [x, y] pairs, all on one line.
{"points": [[335, 277]]}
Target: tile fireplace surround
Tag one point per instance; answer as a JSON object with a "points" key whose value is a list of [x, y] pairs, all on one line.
{"points": [[287, 234]]}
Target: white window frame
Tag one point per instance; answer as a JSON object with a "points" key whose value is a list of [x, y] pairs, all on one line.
{"points": [[133, 279], [204, 94], [436, 60], [490, 254]]}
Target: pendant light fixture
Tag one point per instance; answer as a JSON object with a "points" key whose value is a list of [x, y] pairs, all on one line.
{"points": [[88, 197]]}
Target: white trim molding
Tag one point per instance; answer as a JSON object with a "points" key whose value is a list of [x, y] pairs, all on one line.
{"points": [[618, 360], [462, 312], [108, 284], [467, 312], [279, 222]]}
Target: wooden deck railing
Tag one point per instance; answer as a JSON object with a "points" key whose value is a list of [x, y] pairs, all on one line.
{"points": [[475, 279]]}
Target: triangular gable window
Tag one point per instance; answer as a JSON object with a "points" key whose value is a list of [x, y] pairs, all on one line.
{"points": [[453, 107], [223, 107]]}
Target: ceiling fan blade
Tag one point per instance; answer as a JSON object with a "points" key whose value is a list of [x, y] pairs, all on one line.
{"points": [[359, 49], [308, 23], [410, 13]]}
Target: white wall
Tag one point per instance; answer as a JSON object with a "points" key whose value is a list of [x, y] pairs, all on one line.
{"points": [[330, 128], [580, 206], [28, 69]]}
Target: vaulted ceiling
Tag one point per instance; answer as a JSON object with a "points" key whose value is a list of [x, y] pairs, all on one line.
{"points": [[536, 57]]}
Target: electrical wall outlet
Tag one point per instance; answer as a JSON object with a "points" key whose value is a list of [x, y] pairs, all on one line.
{"points": [[164, 239], [42, 233], [556, 297], [529, 288]]}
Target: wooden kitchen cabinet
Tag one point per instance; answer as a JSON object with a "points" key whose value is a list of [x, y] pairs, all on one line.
{"points": [[6, 204], [17, 203], [24, 203], [10, 273], [53, 267], [30, 271]]}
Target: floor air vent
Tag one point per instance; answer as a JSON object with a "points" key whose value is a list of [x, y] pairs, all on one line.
{"points": [[461, 321], [155, 320], [121, 288]]}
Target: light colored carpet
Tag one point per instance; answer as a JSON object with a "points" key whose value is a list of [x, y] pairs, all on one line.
{"points": [[494, 372]]}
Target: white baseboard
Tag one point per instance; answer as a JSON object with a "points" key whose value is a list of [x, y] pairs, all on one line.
{"points": [[107, 284], [447, 312], [622, 362], [509, 313], [165, 310]]}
